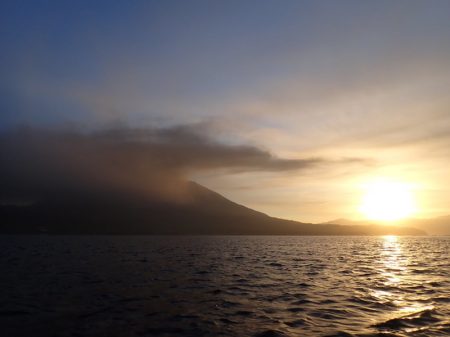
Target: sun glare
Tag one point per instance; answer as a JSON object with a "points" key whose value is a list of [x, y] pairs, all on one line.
{"points": [[387, 201]]}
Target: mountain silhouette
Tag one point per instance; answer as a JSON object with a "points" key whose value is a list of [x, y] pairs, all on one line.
{"points": [[201, 211], [432, 226]]}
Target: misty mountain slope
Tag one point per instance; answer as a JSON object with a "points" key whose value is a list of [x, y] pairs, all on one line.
{"points": [[201, 211], [433, 226]]}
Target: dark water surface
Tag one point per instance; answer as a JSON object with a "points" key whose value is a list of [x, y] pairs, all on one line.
{"points": [[224, 286]]}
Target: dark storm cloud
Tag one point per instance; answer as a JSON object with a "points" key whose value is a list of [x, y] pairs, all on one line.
{"points": [[154, 161]]}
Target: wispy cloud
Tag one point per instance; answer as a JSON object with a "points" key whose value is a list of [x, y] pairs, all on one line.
{"points": [[153, 161]]}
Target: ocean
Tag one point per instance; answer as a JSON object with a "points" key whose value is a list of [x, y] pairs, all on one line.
{"points": [[224, 286]]}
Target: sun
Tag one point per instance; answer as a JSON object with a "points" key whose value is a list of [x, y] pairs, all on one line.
{"points": [[386, 200]]}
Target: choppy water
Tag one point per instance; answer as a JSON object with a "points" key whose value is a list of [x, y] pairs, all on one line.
{"points": [[224, 286]]}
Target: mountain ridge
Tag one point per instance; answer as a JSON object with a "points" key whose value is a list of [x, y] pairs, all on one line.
{"points": [[201, 212], [433, 226]]}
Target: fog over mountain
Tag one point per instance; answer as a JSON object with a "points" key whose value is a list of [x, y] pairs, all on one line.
{"points": [[136, 181], [153, 162]]}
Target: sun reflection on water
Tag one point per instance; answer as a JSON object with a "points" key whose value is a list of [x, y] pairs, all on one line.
{"points": [[395, 278], [394, 264]]}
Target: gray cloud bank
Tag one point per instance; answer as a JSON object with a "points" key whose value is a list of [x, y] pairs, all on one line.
{"points": [[152, 162]]}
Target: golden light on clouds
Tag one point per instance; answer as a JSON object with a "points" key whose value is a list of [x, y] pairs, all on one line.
{"points": [[388, 200]]}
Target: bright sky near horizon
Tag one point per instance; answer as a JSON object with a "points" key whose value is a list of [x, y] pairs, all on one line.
{"points": [[362, 86]]}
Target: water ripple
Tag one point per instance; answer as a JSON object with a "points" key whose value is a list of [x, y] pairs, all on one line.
{"points": [[225, 286]]}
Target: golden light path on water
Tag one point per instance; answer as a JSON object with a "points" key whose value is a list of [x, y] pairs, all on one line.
{"points": [[394, 271]]}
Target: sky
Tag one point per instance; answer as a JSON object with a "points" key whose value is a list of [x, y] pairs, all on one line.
{"points": [[288, 107]]}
